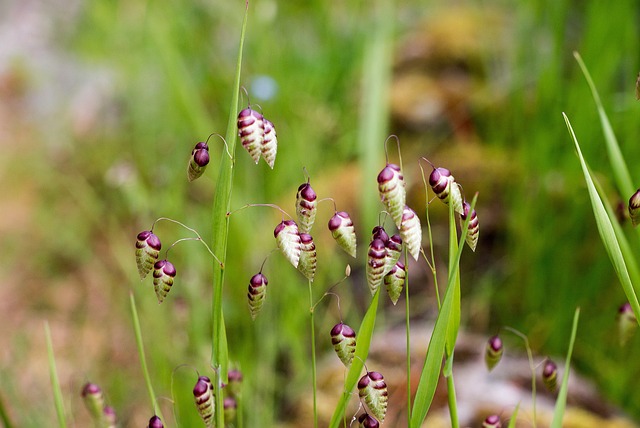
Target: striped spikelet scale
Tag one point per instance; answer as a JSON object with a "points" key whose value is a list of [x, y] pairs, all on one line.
{"points": [[473, 229], [375, 264], [394, 281], [256, 293], [198, 161], [373, 390], [392, 191], [550, 375], [446, 188], [251, 132], [367, 421], [411, 232], [394, 250], [203, 396], [627, 324], [288, 240], [269, 146], [163, 275], [147, 252], [343, 339], [306, 207], [308, 256], [343, 232], [634, 208], [493, 352]]}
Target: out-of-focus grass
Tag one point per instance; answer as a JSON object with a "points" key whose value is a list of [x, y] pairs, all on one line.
{"points": [[173, 63]]}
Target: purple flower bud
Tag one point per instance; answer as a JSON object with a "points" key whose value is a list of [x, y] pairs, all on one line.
{"points": [[473, 229], [147, 252], [373, 389], [203, 396], [378, 232], [288, 240], [343, 339], [251, 132], [493, 352], [634, 208], [392, 191], [394, 250], [257, 293], [269, 146], [109, 417], [492, 421], [375, 264], [155, 422], [306, 207], [230, 406], [234, 387], [163, 275], [550, 375], [446, 188], [343, 232], [93, 400], [627, 323], [308, 257], [367, 421], [198, 161]]}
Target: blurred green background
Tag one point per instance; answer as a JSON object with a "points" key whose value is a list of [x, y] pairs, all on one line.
{"points": [[101, 103]]}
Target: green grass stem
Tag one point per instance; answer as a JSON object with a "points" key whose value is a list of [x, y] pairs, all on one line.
{"points": [[55, 382], [407, 319], [451, 399], [314, 373], [4, 416], [532, 367], [561, 401]]}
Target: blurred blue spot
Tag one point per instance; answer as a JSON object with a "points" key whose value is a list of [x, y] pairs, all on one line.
{"points": [[264, 88]]}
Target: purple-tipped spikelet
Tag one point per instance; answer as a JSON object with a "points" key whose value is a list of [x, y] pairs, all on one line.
{"points": [[306, 207], [147, 252], [198, 161], [257, 293], [411, 232], [550, 375], [155, 422], [627, 323], [493, 352], [492, 421], [373, 389], [446, 188], [343, 339], [634, 208], [367, 421], [234, 386], [93, 400], [394, 250], [269, 146], [392, 191], [378, 232], [394, 281], [203, 396], [473, 229], [109, 417], [343, 232], [163, 274], [288, 240], [230, 406], [375, 264], [308, 258], [251, 132]]}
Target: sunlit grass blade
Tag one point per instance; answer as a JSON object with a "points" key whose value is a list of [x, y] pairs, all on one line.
{"points": [[454, 275], [142, 356], [362, 351], [618, 165], [514, 417], [55, 382], [605, 228], [561, 401]]}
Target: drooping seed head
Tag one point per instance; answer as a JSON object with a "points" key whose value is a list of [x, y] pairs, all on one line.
{"points": [[343, 232], [392, 191], [155, 422], [343, 339], [373, 389], [492, 421], [147, 252], [251, 132], [627, 324], [308, 258], [163, 274], [446, 188], [288, 240], [230, 406], [550, 375], [203, 396], [375, 264], [257, 293], [93, 400], [234, 387], [378, 232], [411, 232], [634, 208], [394, 250], [473, 229], [493, 352], [269, 146], [198, 161], [367, 421], [394, 281], [306, 207], [109, 417]]}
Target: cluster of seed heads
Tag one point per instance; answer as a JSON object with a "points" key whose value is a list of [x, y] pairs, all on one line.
{"points": [[102, 415], [147, 253], [258, 136], [203, 394]]}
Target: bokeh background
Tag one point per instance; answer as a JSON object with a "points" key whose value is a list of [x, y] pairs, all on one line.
{"points": [[101, 103]]}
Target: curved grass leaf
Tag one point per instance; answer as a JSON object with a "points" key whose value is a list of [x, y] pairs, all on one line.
{"points": [[514, 417], [561, 401], [606, 230], [362, 351], [55, 382]]}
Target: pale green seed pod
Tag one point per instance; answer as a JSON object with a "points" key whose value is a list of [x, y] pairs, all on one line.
{"points": [[147, 252], [269, 147], [446, 188], [343, 232], [257, 293], [373, 390], [492, 421], [394, 281], [251, 132], [627, 324], [163, 274], [203, 395], [411, 232], [493, 352], [473, 229], [394, 250], [634, 208], [343, 339], [198, 161], [306, 207], [375, 264], [550, 375], [308, 258], [367, 421], [288, 240], [392, 191], [93, 400]]}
